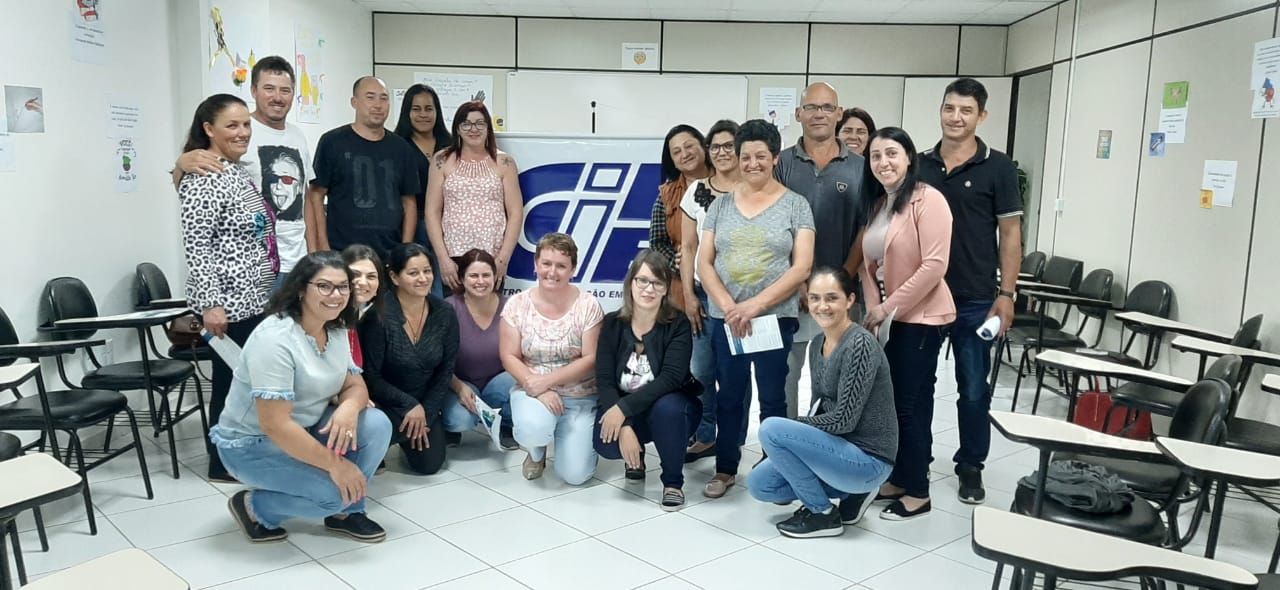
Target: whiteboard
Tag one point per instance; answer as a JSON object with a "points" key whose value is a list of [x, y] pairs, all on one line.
{"points": [[626, 103]]}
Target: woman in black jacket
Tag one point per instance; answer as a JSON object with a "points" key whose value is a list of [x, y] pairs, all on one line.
{"points": [[642, 374], [409, 349]]}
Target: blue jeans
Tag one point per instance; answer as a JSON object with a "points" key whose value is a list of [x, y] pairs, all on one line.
{"points": [[282, 487], [666, 424], [733, 395], [912, 351], [703, 368], [973, 366], [812, 466], [496, 393], [535, 428]]}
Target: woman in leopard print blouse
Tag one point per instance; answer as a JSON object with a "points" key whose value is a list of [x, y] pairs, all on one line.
{"points": [[229, 237]]}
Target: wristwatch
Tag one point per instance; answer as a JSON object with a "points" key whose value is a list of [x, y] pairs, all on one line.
{"points": [[1009, 294]]}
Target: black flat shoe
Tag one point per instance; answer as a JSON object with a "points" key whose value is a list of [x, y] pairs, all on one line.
{"points": [[707, 452], [357, 526], [257, 533], [898, 511], [635, 474], [888, 497], [221, 476]]}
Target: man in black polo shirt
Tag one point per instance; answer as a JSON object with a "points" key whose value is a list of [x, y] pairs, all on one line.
{"points": [[981, 185], [829, 176]]}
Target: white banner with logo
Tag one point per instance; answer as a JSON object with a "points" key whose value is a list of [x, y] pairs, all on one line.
{"points": [[600, 190]]}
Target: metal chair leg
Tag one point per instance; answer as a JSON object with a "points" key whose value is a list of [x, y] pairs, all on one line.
{"points": [[1035, 401], [106, 441], [88, 498], [44, 536], [17, 552], [204, 416], [142, 456]]}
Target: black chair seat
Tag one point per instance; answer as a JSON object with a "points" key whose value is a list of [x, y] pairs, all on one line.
{"points": [[1139, 522], [1156, 480], [72, 408], [1147, 398], [191, 354], [1110, 356], [1032, 320], [10, 446], [1252, 435], [1031, 338], [129, 375]]}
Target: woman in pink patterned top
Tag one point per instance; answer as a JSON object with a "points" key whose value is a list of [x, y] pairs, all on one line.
{"points": [[474, 201], [548, 343]]}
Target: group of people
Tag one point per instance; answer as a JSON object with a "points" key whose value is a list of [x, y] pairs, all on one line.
{"points": [[331, 272], [850, 223]]}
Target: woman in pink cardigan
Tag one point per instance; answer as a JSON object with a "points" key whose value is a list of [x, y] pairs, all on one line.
{"points": [[906, 246]]}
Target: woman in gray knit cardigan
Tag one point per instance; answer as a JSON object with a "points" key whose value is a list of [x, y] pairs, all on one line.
{"points": [[845, 447]]}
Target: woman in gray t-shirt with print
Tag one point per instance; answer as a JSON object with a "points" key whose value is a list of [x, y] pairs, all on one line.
{"points": [[757, 250]]}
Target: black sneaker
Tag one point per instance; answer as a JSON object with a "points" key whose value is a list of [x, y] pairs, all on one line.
{"points": [[507, 441], [854, 506], [971, 491], [452, 439], [672, 499], [357, 526], [255, 531], [805, 524]]}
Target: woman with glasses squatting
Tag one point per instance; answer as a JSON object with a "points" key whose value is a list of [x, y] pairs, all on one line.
{"points": [[473, 201]]}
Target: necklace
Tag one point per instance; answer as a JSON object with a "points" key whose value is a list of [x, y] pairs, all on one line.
{"points": [[414, 328]]}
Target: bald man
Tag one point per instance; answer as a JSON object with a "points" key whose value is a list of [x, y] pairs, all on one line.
{"points": [[369, 176], [829, 176]]}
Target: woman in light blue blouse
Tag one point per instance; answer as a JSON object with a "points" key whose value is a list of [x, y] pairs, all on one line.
{"points": [[300, 456]]}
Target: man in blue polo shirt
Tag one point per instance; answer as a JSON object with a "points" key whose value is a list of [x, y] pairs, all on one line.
{"points": [[829, 176], [981, 185]]}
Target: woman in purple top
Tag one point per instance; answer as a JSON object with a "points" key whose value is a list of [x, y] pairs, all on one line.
{"points": [[478, 370]]}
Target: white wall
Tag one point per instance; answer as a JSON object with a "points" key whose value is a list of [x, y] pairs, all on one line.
{"points": [[60, 213], [1031, 134], [1139, 215]]}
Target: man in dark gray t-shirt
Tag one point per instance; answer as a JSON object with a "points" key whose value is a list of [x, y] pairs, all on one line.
{"points": [[829, 177]]}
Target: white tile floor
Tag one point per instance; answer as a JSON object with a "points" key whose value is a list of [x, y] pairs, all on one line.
{"points": [[480, 525]]}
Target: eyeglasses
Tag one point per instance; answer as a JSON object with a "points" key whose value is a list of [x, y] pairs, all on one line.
{"points": [[326, 288], [287, 180], [469, 125], [720, 147], [644, 283], [826, 108]]}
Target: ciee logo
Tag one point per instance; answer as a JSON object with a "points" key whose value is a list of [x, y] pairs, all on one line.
{"points": [[604, 206]]}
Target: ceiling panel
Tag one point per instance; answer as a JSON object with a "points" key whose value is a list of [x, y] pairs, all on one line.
{"points": [[946, 12]]}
